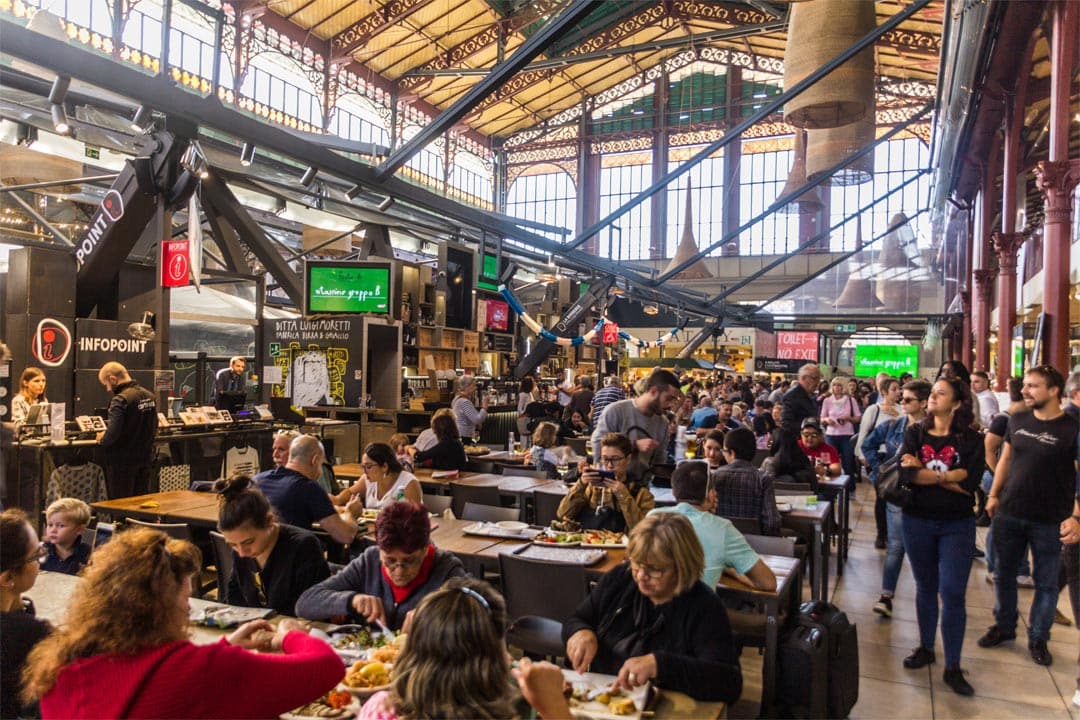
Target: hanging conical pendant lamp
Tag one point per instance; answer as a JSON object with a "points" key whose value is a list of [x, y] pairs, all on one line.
{"points": [[688, 248], [809, 201], [858, 293]]}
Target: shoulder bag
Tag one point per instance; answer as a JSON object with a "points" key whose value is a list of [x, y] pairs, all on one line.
{"points": [[890, 487]]}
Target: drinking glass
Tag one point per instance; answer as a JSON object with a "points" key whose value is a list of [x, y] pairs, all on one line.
{"points": [[475, 436]]}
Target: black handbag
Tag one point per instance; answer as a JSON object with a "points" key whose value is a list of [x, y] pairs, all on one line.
{"points": [[890, 487]]}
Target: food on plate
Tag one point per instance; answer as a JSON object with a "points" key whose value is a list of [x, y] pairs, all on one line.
{"points": [[477, 449], [367, 674], [559, 538], [333, 704], [363, 639], [386, 653], [566, 525], [603, 537], [621, 706]]}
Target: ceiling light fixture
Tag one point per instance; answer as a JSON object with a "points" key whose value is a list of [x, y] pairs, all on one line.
{"points": [[60, 119], [247, 154], [194, 161], [143, 116], [386, 204], [309, 175], [352, 192], [58, 91]]}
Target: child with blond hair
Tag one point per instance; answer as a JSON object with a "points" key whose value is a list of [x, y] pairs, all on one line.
{"points": [[65, 521]]}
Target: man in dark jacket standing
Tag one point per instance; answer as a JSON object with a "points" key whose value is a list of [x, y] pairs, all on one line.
{"points": [[799, 401], [128, 438]]}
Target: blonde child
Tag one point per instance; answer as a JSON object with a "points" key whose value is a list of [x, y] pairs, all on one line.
{"points": [[399, 442], [65, 521]]}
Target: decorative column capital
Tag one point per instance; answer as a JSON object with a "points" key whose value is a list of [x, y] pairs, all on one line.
{"points": [[965, 302], [1057, 180], [1007, 245], [984, 283]]}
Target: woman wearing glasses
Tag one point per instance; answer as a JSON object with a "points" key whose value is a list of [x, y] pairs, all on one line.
{"points": [[455, 664], [20, 556], [615, 499], [388, 581], [653, 619], [273, 563], [385, 480], [881, 444]]}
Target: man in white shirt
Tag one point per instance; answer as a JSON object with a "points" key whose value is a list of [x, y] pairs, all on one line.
{"points": [[988, 402]]}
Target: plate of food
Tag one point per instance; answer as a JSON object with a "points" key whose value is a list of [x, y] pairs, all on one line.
{"points": [[603, 538], [360, 642], [558, 538], [477, 450], [367, 677], [591, 695], [334, 704]]}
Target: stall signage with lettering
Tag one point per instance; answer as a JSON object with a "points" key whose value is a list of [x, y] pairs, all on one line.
{"points": [[797, 346]]}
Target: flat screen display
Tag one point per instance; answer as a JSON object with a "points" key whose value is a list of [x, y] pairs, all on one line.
{"points": [[489, 273], [498, 315], [347, 287], [893, 359]]}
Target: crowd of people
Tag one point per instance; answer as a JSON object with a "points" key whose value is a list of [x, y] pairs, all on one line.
{"points": [[948, 460]]}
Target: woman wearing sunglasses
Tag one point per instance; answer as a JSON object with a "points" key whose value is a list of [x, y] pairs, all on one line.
{"points": [[653, 619], [611, 496], [388, 581]]}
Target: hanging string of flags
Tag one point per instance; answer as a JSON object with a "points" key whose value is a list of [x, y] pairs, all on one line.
{"points": [[546, 334]]}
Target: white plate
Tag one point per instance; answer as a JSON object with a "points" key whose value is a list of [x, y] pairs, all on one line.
{"points": [[512, 525]]}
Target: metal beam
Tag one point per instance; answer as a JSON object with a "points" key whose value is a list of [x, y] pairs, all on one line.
{"points": [[38, 217], [227, 241], [532, 47], [216, 193], [768, 267], [770, 106], [55, 183], [829, 266], [566, 60], [702, 335], [784, 200], [567, 323]]}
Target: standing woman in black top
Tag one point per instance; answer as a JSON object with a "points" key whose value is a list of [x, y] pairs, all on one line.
{"points": [[273, 563], [942, 460]]}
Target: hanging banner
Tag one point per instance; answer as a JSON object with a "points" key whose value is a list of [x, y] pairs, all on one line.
{"points": [[195, 237], [611, 333], [175, 267]]}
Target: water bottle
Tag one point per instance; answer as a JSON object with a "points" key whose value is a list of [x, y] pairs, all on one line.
{"points": [[400, 494], [680, 445], [510, 443]]}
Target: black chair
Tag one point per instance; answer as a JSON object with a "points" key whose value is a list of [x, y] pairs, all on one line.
{"points": [[526, 472], [489, 513], [478, 494], [482, 466], [792, 488], [179, 531], [578, 445], [436, 504], [540, 596], [103, 533], [545, 507], [223, 561], [747, 526], [748, 623], [770, 545], [89, 536], [759, 457]]}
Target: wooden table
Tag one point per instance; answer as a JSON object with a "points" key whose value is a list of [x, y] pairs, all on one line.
{"points": [[815, 524], [788, 595], [157, 507]]}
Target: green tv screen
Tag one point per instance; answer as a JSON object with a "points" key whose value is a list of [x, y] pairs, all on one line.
{"points": [[348, 288], [893, 359]]}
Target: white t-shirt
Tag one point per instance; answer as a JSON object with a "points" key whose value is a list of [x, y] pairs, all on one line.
{"points": [[371, 494], [243, 460]]}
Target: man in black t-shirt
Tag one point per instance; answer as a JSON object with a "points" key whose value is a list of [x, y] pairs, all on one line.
{"points": [[1033, 501], [128, 438]]}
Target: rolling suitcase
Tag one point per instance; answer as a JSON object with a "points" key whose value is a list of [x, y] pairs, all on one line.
{"points": [[842, 641], [802, 680]]}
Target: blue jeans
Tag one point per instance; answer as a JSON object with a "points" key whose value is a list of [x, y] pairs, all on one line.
{"points": [[845, 446], [1011, 536], [894, 552], [941, 552]]}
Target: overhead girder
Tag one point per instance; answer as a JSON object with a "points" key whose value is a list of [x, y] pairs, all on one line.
{"points": [[532, 47], [767, 108]]}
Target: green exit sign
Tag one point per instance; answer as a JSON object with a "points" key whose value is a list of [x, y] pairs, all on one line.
{"points": [[783, 326], [845, 328], [93, 153]]}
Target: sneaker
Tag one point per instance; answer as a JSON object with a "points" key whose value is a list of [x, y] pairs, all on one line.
{"points": [[880, 543], [919, 658], [1076, 698], [1061, 619], [1040, 653], [1025, 581], [954, 678], [995, 637], [883, 606]]}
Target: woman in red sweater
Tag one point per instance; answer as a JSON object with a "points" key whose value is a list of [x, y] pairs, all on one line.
{"points": [[123, 651]]}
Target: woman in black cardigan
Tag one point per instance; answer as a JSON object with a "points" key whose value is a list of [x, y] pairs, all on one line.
{"points": [[654, 620], [448, 453]]}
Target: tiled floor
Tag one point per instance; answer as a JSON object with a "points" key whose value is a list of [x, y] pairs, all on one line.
{"points": [[1008, 684]]}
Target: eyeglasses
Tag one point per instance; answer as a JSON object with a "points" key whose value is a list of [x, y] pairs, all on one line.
{"points": [[811, 434], [906, 400], [409, 562], [611, 461], [651, 571], [40, 554]]}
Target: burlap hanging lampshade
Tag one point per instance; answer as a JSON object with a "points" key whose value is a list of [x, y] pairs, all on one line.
{"points": [[688, 248], [828, 147], [817, 32], [858, 293], [810, 201]]}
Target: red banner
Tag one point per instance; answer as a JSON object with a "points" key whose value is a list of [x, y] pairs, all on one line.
{"points": [[797, 345], [611, 333], [175, 265]]}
